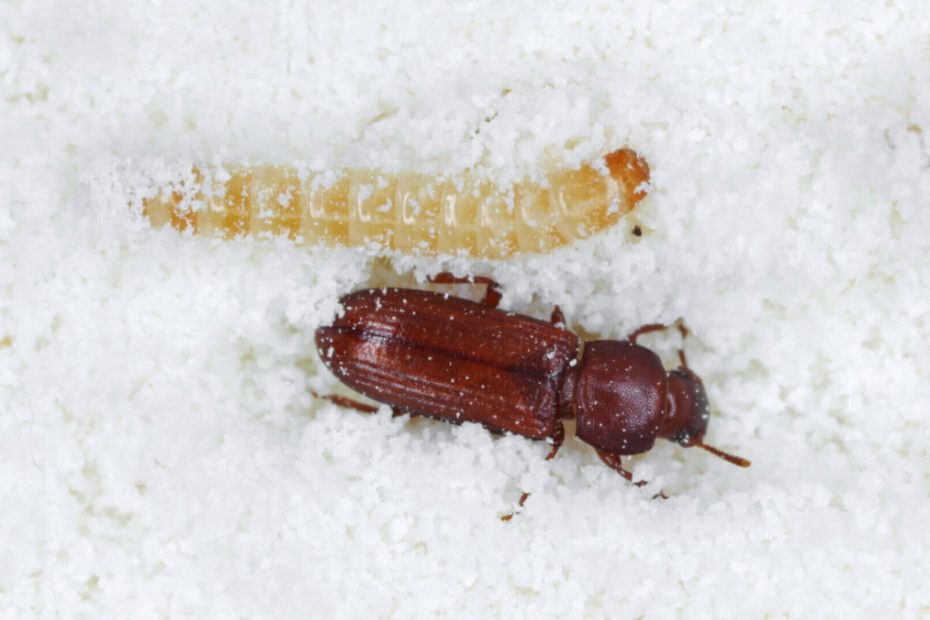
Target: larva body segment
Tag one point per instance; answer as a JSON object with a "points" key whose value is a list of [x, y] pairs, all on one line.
{"points": [[408, 212]]}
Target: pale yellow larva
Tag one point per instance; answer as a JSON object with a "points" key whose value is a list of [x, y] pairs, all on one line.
{"points": [[408, 212]]}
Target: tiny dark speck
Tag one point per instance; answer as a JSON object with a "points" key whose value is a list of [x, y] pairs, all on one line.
{"points": [[637, 231]]}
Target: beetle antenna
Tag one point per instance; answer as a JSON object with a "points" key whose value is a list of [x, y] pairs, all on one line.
{"points": [[729, 458]]}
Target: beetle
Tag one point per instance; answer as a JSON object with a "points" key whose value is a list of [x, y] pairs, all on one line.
{"points": [[435, 355]]}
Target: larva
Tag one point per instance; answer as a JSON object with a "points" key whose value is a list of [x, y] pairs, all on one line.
{"points": [[407, 212]]}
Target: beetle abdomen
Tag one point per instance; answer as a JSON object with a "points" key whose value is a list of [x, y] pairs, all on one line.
{"points": [[450, 358], [407, 212]]}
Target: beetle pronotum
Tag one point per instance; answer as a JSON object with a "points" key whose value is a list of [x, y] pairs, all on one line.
{"points": [[407, 212]]}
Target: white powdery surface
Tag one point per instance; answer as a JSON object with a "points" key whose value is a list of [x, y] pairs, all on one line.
{"points": [[160, 454]]}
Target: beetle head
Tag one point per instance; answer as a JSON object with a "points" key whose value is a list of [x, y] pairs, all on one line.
{"points": [[687, 413], [686, 409]]}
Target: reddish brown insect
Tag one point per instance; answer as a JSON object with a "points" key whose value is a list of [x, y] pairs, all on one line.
{"points": [[444, 357]]}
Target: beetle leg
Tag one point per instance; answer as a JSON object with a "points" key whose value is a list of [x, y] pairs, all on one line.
{"points": [[348, 403], [612, 460], [557, 438], [645, 329], [522, 501], [492, 296], [557, 318], [657, 327]]}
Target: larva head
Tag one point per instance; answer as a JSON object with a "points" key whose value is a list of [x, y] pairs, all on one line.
{"points": [[631, 171]]}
